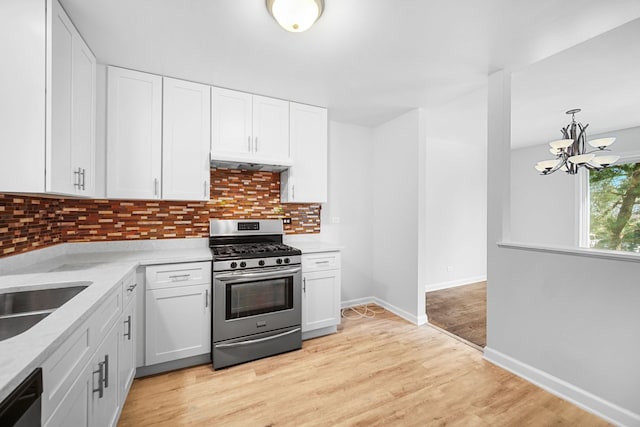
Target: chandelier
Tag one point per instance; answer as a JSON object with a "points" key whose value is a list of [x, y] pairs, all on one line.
{"points": [[571, 151]]}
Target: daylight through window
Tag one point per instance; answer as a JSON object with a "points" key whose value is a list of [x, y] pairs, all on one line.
{"points": [[614, 208]]}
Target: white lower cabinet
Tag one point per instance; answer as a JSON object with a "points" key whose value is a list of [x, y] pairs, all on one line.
{"points": [[177, 312], [105, 405], [86, 380], [321, 287], [127, 348]]}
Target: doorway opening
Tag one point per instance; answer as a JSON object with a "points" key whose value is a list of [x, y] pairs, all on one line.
{"points": [[460, 311]]}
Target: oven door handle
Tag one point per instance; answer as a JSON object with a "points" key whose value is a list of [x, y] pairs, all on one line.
{"points": [[241, 276], [257, 340]]}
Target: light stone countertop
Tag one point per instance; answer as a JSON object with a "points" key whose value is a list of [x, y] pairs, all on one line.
{"points": [[103, 269], [313, 246]]}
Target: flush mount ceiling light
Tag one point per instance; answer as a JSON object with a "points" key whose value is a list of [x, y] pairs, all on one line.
{"points": [[295, 15], [571, 151]]}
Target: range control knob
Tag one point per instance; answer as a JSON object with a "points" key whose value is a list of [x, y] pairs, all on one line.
{"points": [[261, 262], [243, 264], [279, 261], [234, 264], [287, 260]]}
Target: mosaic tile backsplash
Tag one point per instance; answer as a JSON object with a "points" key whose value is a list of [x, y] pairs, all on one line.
{"points": [[28, 223]]}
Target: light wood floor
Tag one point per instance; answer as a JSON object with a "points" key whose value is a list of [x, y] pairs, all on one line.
{"points": [[461, 310], [375, 372]]}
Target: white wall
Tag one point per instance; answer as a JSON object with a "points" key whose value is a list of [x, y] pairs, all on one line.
{"points": [[565, 321], [544, 209], [456, 192], [399, 157], [350, 200]]}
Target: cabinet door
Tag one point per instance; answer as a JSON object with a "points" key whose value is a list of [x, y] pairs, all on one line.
{"points": [[271, 130], [22, 96], [74, 409], [320, 299], [59, 172], [231, 125], [83, 101], [134, 144], [178, 323], [306, 180], [70, 108], [127, 349], [186, 140], [105, 409]]}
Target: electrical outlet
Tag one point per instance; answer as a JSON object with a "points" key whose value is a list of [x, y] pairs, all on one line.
{"points": [[335, 220], [286, 220]]}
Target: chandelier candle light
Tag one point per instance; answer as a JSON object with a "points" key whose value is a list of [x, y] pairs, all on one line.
{"points": [[571, 151]]}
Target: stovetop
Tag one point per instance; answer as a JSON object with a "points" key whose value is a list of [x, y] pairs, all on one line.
{"points": [[252, 250]]}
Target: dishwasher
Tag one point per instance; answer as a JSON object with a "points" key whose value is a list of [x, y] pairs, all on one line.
{"points": [[23, 407]]}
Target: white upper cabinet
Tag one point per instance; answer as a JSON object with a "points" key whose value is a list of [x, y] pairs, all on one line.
{"points": [[271, 130], [48, 101], [22, 103], [306, 180], [186, 140], [134, 129], [232, 137], [249, 128], [71, 103]]}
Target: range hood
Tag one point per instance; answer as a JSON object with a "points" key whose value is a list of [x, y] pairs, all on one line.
{"points": [[248, 166]]}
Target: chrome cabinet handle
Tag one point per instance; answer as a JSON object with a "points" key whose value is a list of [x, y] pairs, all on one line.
{"points": [[304, 285], [76, 179], [249, 143], [83, 179], [206, 298], [206, 190], [293, 192], [100, 372], [179, 277], [322, 262], [106, 371], [155, 186], [256, 146], [132, 287], [128, 323]]}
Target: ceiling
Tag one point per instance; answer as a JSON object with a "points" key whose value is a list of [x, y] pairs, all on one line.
{"points": [[601, 76], [367, 61]]}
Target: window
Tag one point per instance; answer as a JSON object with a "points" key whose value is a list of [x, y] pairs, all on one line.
{"points": [[614, 208]]}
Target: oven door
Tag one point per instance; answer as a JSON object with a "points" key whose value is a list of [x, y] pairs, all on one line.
{"points": [[255, 301]]}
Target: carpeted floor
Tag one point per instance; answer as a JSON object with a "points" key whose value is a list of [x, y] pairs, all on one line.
{"points": [[461, 310]]}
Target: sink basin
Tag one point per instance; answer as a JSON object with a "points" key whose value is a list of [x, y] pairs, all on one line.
{"points": [[19, 311], [39, 300], [15, 325]]}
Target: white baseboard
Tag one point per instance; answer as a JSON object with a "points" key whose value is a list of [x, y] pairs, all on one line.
{"points": [[430, 287], [419, 320], [567, 391]]}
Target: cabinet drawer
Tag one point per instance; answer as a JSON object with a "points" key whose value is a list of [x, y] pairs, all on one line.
{"points": [[320, 261], [172, 275], [129, 287]]}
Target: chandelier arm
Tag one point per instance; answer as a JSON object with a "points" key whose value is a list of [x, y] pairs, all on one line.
{"points": [[581, 136]]}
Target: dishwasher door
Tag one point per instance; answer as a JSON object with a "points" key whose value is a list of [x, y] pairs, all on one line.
{"points": [[23, 408]]}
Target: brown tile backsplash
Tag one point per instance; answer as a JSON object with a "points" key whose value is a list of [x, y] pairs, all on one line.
{"points": [[28, 223]]}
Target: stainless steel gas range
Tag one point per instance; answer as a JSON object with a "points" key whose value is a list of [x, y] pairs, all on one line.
{"points": [[256, 291]]}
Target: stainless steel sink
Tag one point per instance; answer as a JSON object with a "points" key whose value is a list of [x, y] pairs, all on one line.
{"points": [[19, 311]]}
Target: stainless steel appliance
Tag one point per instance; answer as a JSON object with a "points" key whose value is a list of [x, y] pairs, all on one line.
{"points": [[23, 406], [256, 291]]}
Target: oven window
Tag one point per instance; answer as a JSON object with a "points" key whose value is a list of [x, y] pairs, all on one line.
{"points": [[259, 297]]}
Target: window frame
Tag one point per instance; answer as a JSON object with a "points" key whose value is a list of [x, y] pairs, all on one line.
{"points": [[583, 199]]}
